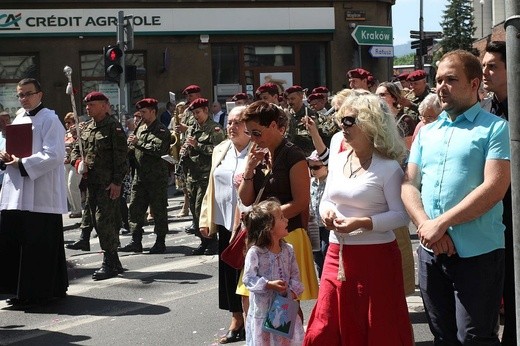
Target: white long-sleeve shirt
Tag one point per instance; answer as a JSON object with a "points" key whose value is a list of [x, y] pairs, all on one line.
{"points": [[44, 189], [375, 193]]}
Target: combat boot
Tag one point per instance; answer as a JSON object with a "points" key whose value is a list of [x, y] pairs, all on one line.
{"points": [[159, 246], [83, 243], [135, 244], [212, 247], [108, 267]]}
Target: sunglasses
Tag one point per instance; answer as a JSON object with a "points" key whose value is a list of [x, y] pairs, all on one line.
{"points": [[348, 121], [315, 168], [254, 133]]}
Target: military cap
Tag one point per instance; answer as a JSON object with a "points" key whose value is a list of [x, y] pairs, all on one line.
{"points": [[416, 75], [191, 89], [239, 96], [315, 96], [198, 103], [95, 96], [320, 90], [358, 73], [293, 89], [270, 88], [402, 76], [146, 103]]}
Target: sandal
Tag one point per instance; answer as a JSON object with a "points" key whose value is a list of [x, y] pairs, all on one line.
{"points": [[233, 336]]}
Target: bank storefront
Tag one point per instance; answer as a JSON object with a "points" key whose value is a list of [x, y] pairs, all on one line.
{"points": [[224, 50]]}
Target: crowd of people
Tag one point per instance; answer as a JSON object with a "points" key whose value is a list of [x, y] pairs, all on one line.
{"points": [[326, 186]]}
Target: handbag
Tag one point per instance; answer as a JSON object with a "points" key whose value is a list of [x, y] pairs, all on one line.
{"points": [[282, 315], [234, 254]]}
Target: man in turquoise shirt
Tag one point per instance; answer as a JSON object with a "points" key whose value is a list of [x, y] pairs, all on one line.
{"points": [[457, 175]]}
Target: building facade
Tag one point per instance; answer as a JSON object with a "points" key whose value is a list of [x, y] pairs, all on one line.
{"points": [[224, 46]]}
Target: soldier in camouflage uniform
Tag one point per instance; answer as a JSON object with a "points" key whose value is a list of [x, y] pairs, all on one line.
{"points": [[104, 146], [195, 156], [327, 126], [150, 141], [297, 132], [420, 88]]}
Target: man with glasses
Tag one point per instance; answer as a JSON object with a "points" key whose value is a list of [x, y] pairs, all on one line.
{"points": [[32, 201]]}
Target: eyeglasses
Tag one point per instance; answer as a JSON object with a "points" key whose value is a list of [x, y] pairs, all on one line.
{"points": [[348, 121], [254, 133], [27, 94], [315, 168]]}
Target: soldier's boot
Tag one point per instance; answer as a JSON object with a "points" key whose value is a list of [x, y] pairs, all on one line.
{"points": [[135, 244], [108, 267], [212, 248], [159, 246], [204, 242], [83, 243]]}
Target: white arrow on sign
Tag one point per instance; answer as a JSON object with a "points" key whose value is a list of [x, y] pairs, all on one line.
{"points": [[381, 51]]}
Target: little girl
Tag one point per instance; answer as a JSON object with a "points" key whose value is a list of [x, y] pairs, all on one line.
{"points": [[270, 267]]}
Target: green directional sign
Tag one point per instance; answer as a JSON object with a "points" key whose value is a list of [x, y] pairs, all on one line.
{"points": [[367, 35]]}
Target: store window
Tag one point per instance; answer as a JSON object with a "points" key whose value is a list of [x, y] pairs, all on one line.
{"points": [[93, 79], [313, 65], [277, 55], [13, 68]]}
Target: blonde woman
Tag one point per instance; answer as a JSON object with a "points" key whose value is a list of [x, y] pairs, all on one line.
{"points": [[361, 299]]}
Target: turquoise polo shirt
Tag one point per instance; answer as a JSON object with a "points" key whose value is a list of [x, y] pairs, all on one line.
{"points": [[451, 157]]}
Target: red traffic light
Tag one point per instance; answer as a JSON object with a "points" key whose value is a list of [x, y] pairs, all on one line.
{"points": [[113, 54]]}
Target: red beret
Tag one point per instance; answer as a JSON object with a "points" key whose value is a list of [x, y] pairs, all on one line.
{"points": [[358, 73], [239, 96], [191, 89], [146, 103], [293, 89], [198, 103], [316, 96], [95, 96], [320, 90], [403, 76], [270, 88], [416, 75]]}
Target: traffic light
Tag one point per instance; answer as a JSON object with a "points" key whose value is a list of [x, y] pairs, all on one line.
{"points": [[422, 45], [113, 63]]}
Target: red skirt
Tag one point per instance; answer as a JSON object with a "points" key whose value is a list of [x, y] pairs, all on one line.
{"points": [[369, 307]]}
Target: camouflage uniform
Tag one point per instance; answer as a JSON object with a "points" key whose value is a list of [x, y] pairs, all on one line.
{"points": [[297, 133], [150, 183], [197, 163], [104, 147], [327, 127]]}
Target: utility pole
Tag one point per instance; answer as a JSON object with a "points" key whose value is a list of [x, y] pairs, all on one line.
{"points": [[512, 26]]}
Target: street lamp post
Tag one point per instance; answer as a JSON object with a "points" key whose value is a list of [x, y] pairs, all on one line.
{"points": [[482, 18]]}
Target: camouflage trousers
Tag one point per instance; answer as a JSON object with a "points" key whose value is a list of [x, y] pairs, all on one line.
{"points": [[155, 195], [196, 191], [105, 216]]}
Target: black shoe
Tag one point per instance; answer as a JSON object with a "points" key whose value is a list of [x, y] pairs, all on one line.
{"points": [[79, 245], [108, 267], [211, 246], [211, 250], [199, 251], [133, 246], [157, 248], [233, 336], [190, 229], [105, 272]]}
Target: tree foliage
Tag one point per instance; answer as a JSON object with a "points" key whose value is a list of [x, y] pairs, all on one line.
{"points": [[458, 26], [404, 60]]}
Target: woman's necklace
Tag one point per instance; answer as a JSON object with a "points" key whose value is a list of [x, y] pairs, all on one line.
{"points": [[353, 172]]}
